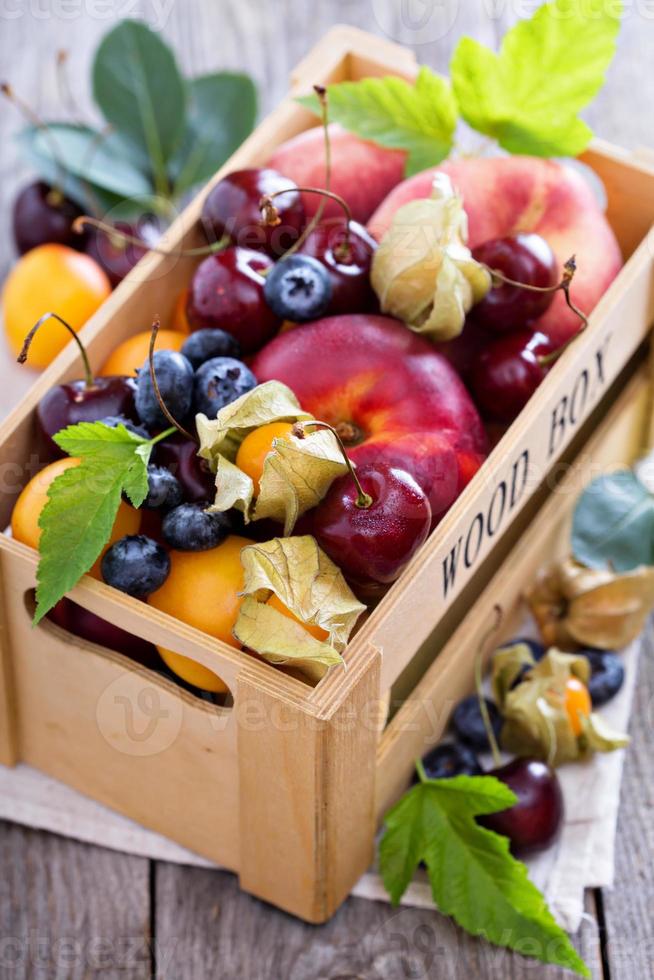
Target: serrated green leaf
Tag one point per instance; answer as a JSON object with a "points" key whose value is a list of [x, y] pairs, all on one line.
{"points": [[419, 118], [83, 501], [474, 878], [613, 523], [548, 69], [222, 110], [138, 87]]}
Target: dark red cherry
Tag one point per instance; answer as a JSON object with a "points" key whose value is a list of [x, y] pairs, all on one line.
{"points": [[507, 373], [42, 214], [535, 820], [226, 291], [232, 208], [78, 401], [116, 256], [348, 262], [180, 456], [372, 544], [526, 258], [80, 622], [463, 351]]}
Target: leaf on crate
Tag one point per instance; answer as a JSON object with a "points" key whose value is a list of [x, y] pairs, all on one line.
{"points": [[139, 89], [594, 607], [548, 69], [613, 523], [82, 504], [311, 587], [423, 272], [473, 876], [271, 401], [537, 722], [419, 118], [222, 109]]}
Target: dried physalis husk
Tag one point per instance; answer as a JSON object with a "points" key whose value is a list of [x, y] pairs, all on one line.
{"points": [[312, 588], [599, 608], [536, 720], [423, 271], [297, 473]]}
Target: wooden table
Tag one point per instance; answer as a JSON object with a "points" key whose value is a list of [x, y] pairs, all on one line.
{"points": [[70, 911]]}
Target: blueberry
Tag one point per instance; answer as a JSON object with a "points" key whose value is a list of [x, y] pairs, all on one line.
{"points": [[468, 723], [115, 420], [164, 490], [220, 381], [136, 565], [607, 675], [451, 759], [190, 528], [175, 379], [298, 288], [211, 342]]}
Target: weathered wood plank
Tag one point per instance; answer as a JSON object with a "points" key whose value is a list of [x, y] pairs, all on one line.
{"points": [[209, 924], [628, 905], [69, 911]]}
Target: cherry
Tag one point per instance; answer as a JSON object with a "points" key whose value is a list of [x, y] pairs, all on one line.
{"points": [[116, 255], [87, 400], [80, 622], [347, 258], [226, 291], [507, 373], [232, 208], [371, 522], [534, 821], [180, 456], [42, 214], [525, 258]]}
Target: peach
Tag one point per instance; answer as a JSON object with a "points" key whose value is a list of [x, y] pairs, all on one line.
{"points": [[362, 172], [505, 195], [393, 398]]}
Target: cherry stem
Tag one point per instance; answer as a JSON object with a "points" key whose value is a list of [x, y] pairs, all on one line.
{"points": [[271, 217], [483, 707], [116, 234], [22, 357], [156, 324], [364, 500], [569, 269], [38, 123]]}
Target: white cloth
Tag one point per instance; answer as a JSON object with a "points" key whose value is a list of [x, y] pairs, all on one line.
{"points": [[582, 858]]}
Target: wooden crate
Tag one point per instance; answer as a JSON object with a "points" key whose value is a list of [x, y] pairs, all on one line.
{"points": [[283, 787]]}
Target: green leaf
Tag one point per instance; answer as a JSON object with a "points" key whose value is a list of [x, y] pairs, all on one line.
{"points": [[221, 114], [138, 87], [83, 501], [474, 877], [613, 523], [548, 69], [419, 118], [84, 153]]}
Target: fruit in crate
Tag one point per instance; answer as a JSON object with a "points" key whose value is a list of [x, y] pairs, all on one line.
{"points": [[51, 277], [232, 208], [226, 291], [507, 372], [116, 255], [80, 622], [27, 510], [128, 356], [532, 195], [393, 399], [203, 590], [346, 251], [362, 172]]}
